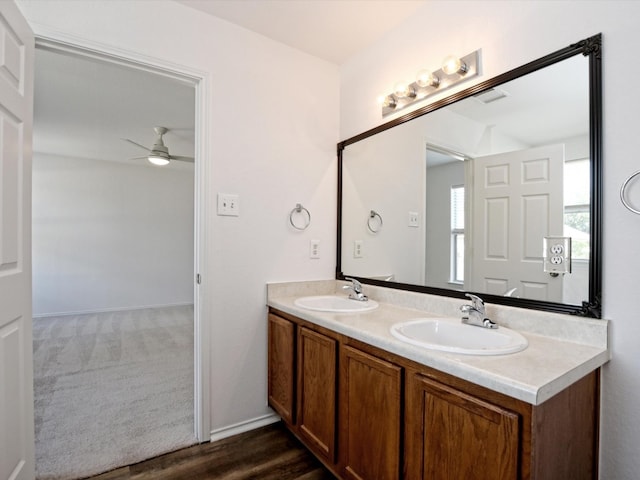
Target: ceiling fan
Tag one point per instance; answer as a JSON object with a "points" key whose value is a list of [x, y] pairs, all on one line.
{"points": [[159, 153]]}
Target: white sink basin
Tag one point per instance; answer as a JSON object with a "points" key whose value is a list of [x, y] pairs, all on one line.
{"points": [[335, 303], [450, 335]]}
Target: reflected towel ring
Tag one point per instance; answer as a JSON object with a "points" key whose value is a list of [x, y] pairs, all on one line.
{"points": [[372, 216], [623, 193], [299, 209]]}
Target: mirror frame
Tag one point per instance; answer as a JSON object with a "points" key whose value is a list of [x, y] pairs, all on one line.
{"points": [[590, 47]]}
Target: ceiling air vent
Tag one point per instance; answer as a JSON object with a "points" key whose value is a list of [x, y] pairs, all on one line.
{"points": [[491, 95]]}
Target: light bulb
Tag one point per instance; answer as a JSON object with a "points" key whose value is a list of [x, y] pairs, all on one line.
{"points": [[387, 101], [425, 78], [453, 64], [401, 90]]}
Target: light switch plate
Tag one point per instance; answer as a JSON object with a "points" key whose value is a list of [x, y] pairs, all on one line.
{"points": [[228, 204], [414, 219], [557, 254]]}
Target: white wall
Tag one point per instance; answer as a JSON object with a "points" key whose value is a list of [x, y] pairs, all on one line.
{"points": [[109, 235], [272, 120], [511, 34], [384, 173]]}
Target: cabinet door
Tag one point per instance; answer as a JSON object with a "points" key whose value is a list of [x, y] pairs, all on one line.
{"points": [[460, 437], [281, 379], [370, 416], [317, 392]]}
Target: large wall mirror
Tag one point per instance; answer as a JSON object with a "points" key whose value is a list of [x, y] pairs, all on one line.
{"points": [[494, 190]]}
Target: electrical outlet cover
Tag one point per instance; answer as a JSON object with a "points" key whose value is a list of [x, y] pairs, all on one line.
{"points": [[557, 255], [314, 249], [357, 248]]}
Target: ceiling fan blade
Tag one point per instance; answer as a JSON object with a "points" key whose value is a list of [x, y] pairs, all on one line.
{"points": [[136, 144], [181, 158], [139, 158]]}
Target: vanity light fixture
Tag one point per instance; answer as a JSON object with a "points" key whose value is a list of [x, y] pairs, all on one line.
{"points": [[454, 70]]}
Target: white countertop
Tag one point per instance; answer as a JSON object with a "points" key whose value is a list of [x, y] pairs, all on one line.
{"points": [[546, 367]]}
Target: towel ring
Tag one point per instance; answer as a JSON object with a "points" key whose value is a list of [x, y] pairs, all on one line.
{"points": [[299, 209], [373, 215], [623, 193]]}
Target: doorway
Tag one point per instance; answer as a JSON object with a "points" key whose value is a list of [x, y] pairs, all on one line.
{"points": [[120, 216]]}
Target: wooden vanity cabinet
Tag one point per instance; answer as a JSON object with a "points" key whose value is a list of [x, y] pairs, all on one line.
{"points": [[371, 415], [357, 433], [302, 377], [456, 436], [456, 430], [317, 377], [281, 366], [370, 392]]}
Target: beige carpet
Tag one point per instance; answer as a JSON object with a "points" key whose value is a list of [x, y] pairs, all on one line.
{"points": [[111, 389]]}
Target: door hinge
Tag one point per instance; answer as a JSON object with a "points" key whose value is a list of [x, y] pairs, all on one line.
{"points": [[198, 279]]}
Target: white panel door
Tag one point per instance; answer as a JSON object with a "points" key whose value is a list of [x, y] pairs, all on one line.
{"points": [[517, 201], [16, 375]]}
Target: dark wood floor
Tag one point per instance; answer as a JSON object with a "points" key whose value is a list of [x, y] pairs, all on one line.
{"points": [[268, 453]]}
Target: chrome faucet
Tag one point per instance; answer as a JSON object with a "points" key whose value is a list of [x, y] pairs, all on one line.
{"points": [[474, 314], [356, 290]]}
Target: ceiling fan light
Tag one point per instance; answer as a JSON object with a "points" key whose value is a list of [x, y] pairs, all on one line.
{"points": [[158, 160]]}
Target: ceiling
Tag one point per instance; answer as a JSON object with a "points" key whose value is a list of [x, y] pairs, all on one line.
{"points": [[84, 107], [330, 29]]}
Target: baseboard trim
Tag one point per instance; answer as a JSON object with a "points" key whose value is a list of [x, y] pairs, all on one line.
{"points": [[247, 425], [108, 310]]}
